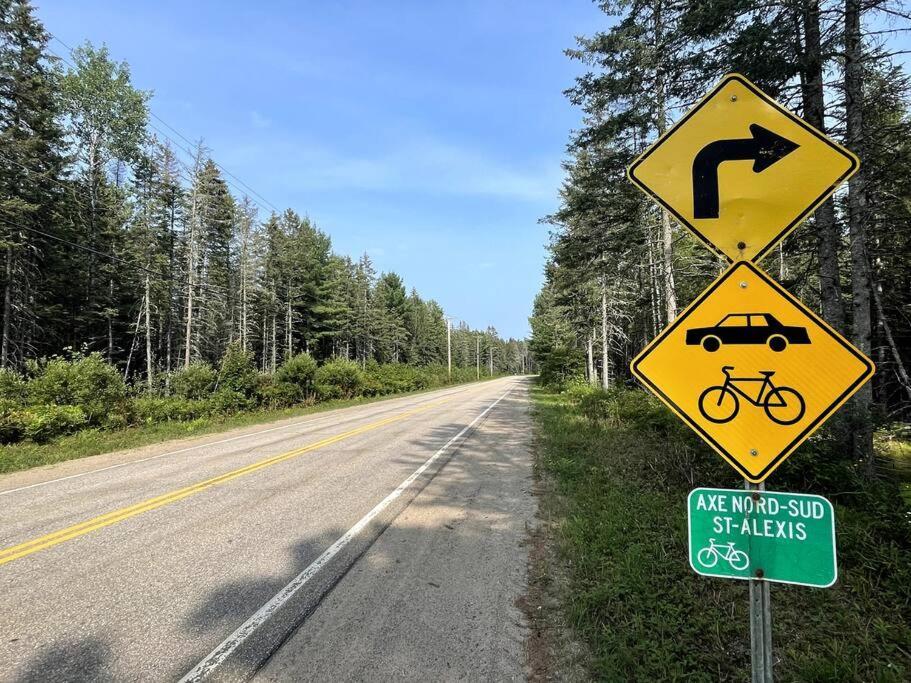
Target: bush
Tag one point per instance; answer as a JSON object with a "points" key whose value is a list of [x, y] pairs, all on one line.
{"points": [[392, 378], [43, 423], [339, 379], [85, 381], [275, 394], [12, 386], [151, 409], [560, 365], [12, 421], [226, 401], [237, 373], [299, 371], [194, 382]]}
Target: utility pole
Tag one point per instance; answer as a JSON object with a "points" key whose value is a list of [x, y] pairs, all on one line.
{"points": [[449, 346], [491, 359], [477, 355]]}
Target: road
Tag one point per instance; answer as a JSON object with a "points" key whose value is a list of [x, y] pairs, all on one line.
{"points": [[373, 542]]}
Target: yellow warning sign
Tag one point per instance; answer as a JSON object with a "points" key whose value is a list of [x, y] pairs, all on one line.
{"points": [[751, 369], [741, 171]]}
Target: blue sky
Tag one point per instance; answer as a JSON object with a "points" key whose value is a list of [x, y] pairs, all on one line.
{"points": [[429, 134]]}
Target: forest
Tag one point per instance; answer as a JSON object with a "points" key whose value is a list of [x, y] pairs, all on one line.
{"points": [[618, 462], [620, 269], [124, 243]]}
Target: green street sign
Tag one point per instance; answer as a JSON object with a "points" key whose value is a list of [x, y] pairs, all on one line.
{"points": [[782, 537]]}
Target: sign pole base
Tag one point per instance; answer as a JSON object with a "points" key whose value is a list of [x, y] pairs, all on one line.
{"points": [[760, 621]]}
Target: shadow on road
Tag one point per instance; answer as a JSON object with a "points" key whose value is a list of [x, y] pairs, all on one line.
{"points": [[435, 593]]}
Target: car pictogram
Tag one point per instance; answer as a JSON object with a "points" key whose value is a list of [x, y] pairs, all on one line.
{"points": [[747, 328]]}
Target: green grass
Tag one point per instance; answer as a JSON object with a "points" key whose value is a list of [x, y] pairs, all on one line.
{"points": [[895, 449], [622, 467], [24, 455]]}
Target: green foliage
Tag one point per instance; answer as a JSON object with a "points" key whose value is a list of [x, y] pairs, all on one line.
{"points": [[84, 381], [339, 379], [237, 373], [44, 422], [12, 421], [12, 386], [227, 401], [154, 409], [194, 382], [273, 394], [393, 378], [298, 371]]}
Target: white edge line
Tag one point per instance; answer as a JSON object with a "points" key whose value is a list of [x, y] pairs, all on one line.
{"points": [[236, 639], [181, 450]]}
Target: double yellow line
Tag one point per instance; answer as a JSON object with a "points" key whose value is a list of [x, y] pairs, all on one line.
{"points": [[21, 550]]}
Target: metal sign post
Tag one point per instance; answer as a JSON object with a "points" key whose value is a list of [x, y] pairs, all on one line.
{"points": [[760, 620]]}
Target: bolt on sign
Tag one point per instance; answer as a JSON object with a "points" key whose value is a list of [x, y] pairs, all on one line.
{"points": [[740, 171], [751, 369], [783, 537]]}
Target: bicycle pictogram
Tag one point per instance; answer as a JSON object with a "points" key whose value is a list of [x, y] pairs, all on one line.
{"points": [[708, 557], [719, 404]]}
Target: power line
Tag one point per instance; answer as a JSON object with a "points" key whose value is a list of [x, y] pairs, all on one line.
{"points": [[181, 136], [162, 276]]}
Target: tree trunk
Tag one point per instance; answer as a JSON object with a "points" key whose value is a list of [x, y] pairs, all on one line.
{"points": [[148, 318], [826, 226], [189, 330], [110, 317], [592, 376], [667, 235], [274, 343], [883, 323], [862, 329], [7, 308], [605, 375], [288, 349]]}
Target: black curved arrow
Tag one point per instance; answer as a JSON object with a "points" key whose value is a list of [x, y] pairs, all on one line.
{"points": [[764, 148]]}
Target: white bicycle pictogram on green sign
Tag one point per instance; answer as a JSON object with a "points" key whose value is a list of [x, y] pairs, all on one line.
{"points": [[708, 557]]}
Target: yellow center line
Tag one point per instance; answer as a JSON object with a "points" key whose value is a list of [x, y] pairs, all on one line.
{"points": [[16, 552]]}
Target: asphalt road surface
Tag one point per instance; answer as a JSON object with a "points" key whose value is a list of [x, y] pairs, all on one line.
{"points": [[370, 543]]}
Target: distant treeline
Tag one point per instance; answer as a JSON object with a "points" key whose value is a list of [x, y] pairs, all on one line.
{"points": [[118, 241]]}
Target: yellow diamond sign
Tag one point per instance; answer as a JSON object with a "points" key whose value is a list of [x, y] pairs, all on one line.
{"points": [[741, 171], [751, 369]]}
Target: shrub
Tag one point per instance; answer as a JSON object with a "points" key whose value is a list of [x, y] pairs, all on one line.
{"points": [[12, 386], [194, 382], [339, 379], [391, 378], [12, 421], [237, 373], [560, 365], [227, 401], [85, 381], [152, 409], [275, 394], [42, 423], [299, 371]]}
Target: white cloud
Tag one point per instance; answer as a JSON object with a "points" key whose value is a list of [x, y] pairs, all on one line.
{"points": [[421, 164]]}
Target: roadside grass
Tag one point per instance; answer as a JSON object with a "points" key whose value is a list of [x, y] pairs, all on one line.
{"points": [[88, 442], [623, 466], [894, 446]]}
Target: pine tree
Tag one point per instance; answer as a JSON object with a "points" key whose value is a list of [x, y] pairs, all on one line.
{"points": [[31, 170]]}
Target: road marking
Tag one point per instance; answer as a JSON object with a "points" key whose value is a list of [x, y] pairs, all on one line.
{"points": [[55, 538], [215, 658], [193, 448]]}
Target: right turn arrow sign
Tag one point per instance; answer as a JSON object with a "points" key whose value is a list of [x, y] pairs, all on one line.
{"points": [[764, 149]]}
